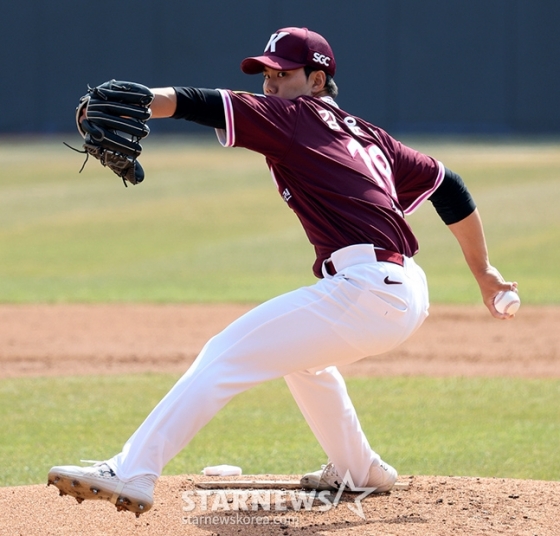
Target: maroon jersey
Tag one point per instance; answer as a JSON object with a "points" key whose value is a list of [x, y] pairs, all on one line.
{"points": [[348, 181]]}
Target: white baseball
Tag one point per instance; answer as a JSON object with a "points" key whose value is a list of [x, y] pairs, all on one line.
{"points": [[507, 302]]}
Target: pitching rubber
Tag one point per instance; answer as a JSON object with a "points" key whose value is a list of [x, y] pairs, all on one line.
{"points": [[267, 484]]}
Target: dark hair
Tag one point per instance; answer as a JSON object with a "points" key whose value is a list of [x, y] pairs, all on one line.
{"points": [[330, 85]]}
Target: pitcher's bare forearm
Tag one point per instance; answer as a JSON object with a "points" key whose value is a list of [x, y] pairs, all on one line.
{"points": [[469, 233], [164, 103]]}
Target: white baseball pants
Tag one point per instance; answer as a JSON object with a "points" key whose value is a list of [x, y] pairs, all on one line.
{"points": [[301, 336]]}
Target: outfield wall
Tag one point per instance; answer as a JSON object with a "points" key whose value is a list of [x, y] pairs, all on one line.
{"points": [[410, 66]]}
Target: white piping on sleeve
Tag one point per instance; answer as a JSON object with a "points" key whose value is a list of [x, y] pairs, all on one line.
{"points": [[419, 200], [227, 137]]}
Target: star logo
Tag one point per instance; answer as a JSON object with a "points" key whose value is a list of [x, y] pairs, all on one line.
{"points": [[356, 508]]}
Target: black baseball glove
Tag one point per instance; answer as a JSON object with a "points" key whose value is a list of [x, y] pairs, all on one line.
{"points": [[112, 120]]}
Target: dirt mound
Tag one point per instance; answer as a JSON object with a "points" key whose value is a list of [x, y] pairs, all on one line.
{"points": [[430, 506]]}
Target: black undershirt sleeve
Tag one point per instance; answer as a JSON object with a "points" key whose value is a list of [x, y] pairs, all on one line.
{"points": [[452, 200], [202, 106]]}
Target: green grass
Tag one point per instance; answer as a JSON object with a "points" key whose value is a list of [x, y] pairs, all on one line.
{"points": [[469, 427], [208, 225]]}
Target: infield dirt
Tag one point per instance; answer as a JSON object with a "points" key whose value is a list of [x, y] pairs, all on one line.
{"points": [[455, 341]]}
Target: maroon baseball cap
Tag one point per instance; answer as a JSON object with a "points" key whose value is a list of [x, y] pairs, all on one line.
{"points": [[292, 48]]}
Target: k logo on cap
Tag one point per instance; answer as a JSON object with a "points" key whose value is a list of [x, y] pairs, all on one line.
{"points": [[274, 38]]}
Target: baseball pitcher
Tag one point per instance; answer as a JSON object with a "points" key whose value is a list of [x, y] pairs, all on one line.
{"points": [[351, 185]]}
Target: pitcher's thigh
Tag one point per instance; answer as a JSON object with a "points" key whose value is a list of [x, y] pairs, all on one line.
{"points": [[295, 331]]}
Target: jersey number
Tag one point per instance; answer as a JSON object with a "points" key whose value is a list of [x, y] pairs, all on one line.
{"points": [[377, 164]]}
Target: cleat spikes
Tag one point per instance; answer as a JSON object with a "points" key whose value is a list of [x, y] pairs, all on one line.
{"points": [[100, 482], [137, 514]]}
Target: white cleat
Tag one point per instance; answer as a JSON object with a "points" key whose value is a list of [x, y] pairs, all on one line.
{"points": [[382, 478], [325, 479], [100, 482]]}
